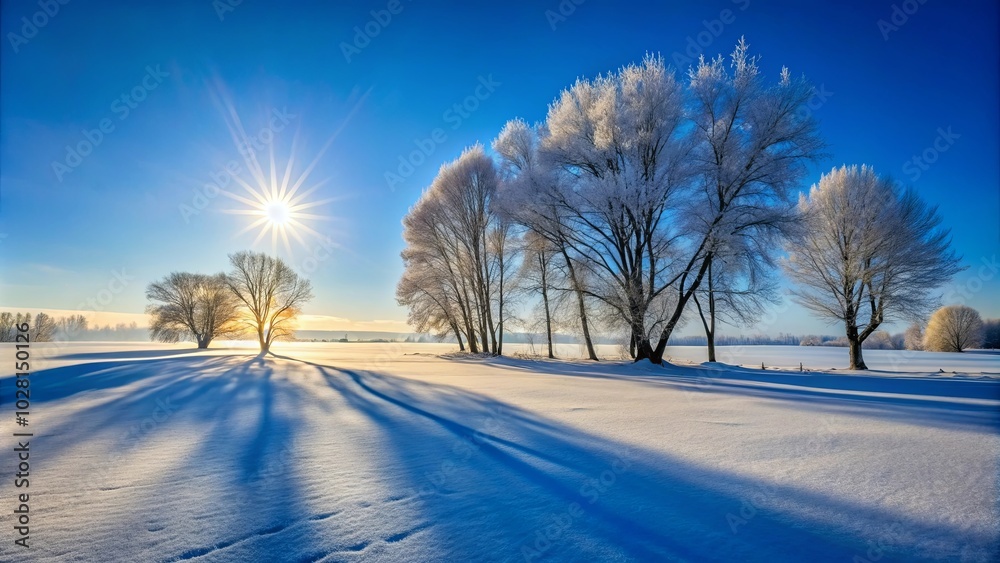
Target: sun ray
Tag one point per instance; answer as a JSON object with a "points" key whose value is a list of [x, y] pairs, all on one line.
{"points": [[278, 200], [252, 226]]}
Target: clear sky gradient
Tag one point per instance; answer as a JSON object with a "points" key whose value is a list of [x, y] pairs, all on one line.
{"points": [[153, 88]]}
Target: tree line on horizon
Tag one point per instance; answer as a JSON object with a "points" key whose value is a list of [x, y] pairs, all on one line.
{"points": [[46, 328], [644, 200]]}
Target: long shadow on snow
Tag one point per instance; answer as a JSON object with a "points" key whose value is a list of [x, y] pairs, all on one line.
{"points": [[914, 400], [525, 470], [138, 354], [225, 407]]}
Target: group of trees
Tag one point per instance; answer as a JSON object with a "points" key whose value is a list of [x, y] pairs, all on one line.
{"points": [[644, 197], [42, 327], [458, 275], [259, 297], [46, 328]]}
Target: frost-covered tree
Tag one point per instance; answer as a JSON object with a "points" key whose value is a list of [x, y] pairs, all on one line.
{"points": [[650, 179], [615, 145], [913, 338], [43, 329], [752, 147], [868, 251], [7, 330], [196, 305], [953, 329], [271, 292], [879, 340], [72, 327], [530, 195], [459, 256]]}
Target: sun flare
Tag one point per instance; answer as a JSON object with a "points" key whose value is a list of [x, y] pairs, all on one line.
{"points": [[279, 197], [277, 212]]}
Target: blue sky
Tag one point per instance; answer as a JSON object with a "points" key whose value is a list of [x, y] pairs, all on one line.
{"points": [[924, 84]]}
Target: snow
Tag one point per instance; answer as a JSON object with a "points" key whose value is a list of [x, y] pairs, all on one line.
{"points": [[389, 452]]}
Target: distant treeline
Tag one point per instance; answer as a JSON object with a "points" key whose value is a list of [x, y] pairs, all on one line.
{"points": [[45, 328]]}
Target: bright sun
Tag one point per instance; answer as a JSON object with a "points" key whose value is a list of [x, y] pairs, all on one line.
{"points": [[277, 212], [280, 205]]}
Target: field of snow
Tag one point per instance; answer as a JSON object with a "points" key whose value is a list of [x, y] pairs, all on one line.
{"points": [[389, 452]]}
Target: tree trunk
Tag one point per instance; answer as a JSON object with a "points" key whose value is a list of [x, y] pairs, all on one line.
{"points": [[471, 336], [854, 344], [710, 323], [203, 341], [548, 320], [458, 335], [657, 356], [709, 326], [591, 354], [545, 301]]}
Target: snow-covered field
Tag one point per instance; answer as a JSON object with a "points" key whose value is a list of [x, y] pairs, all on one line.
{"points": [[387, 452]]}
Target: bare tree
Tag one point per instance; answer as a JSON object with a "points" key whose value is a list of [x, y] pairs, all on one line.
{"points": [[44, 328], [198, 305], [272, 293], [953, 329], [868, 252]]}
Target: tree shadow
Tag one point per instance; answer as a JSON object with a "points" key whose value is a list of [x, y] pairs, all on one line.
{"points": [[236, 471], [961, 403], [138, 354], [658, 507]]}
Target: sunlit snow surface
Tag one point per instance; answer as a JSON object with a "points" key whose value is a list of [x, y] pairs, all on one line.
{"points": [[387, 452]]}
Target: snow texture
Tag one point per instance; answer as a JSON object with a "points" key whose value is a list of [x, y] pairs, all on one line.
{"points": [[388, 452]]}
